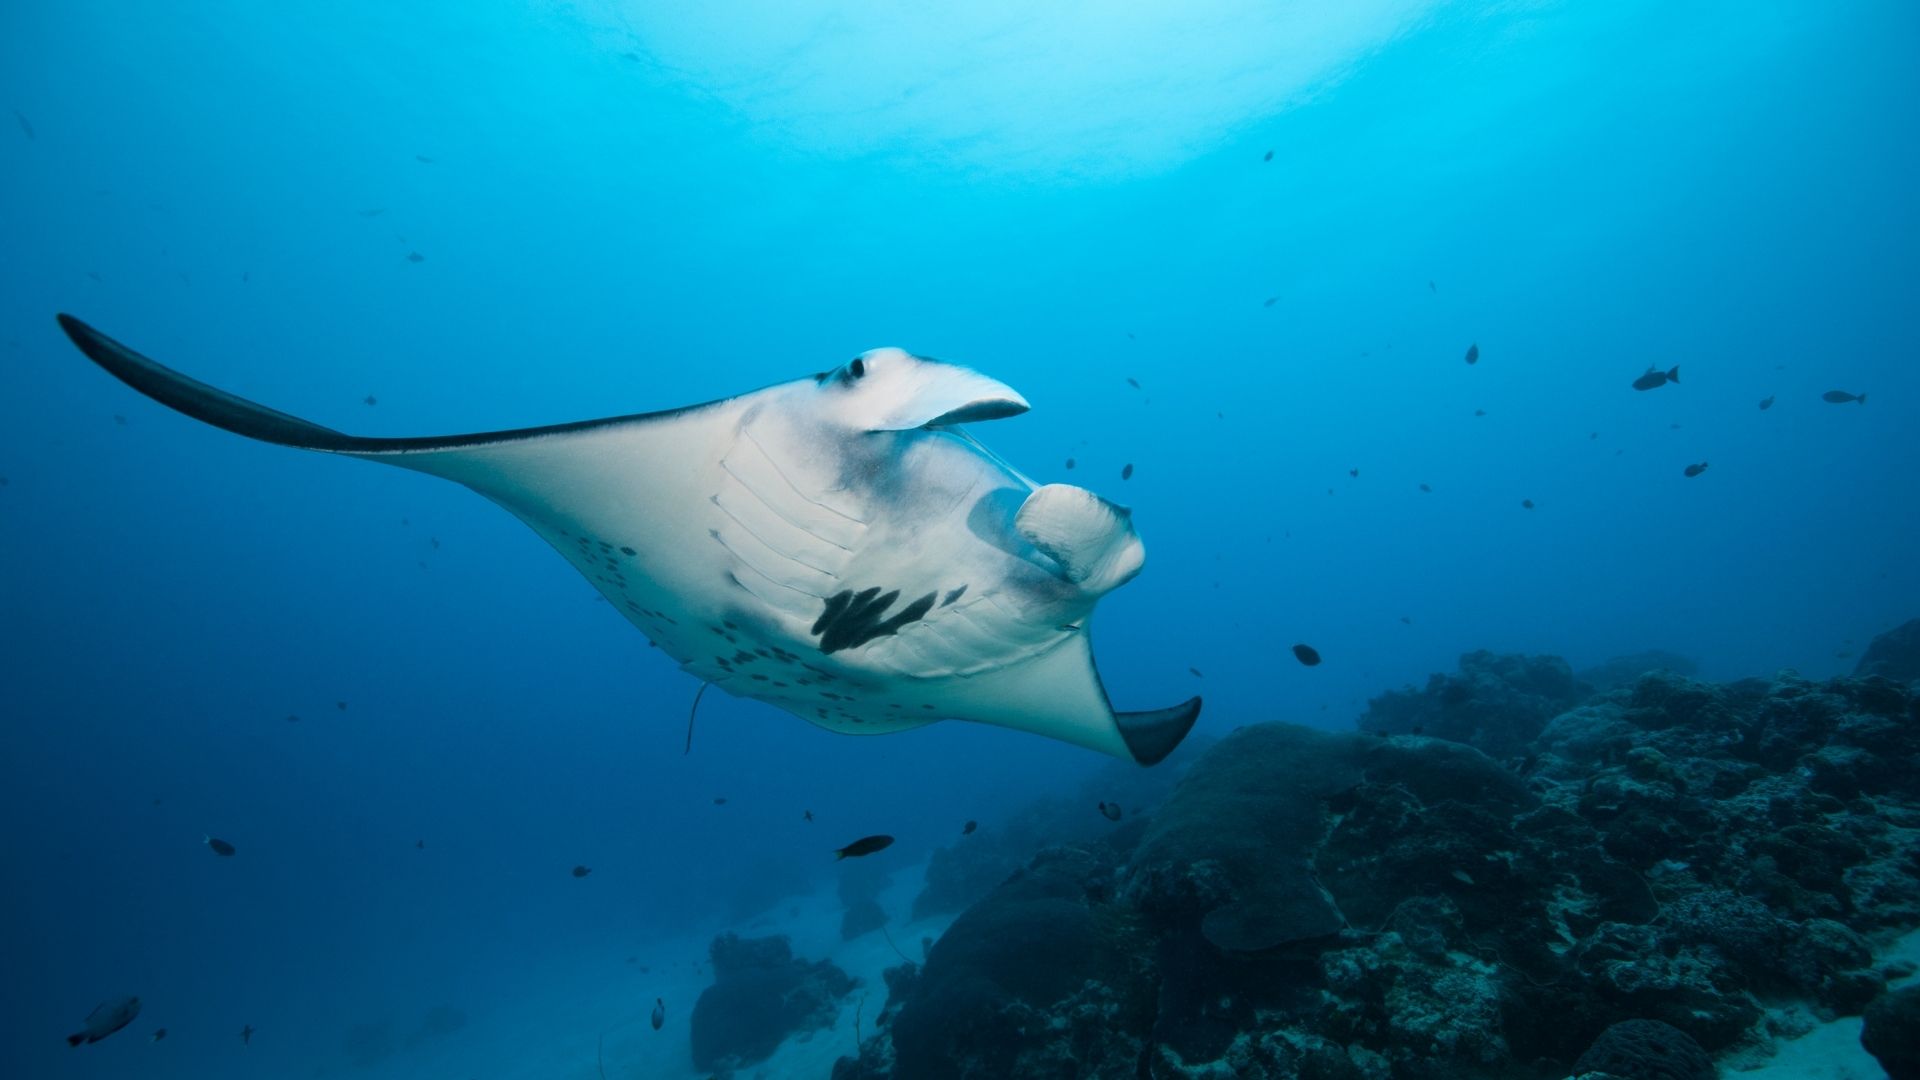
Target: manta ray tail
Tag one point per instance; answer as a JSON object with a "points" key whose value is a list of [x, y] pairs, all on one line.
{"points": [[1151, 736]]}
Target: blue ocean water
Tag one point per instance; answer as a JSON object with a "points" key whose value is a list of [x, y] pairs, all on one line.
{"points": [[1286, 227]]}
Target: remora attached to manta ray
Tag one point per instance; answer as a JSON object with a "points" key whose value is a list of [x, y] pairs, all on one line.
{"points": [[838, 545]]}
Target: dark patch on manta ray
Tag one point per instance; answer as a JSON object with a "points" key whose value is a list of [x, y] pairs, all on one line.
{"points": [[852, 619]]}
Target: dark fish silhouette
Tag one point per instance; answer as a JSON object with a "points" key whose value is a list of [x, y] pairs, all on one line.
{"points": [[1069, 463], [967, 829], [1473, 350], [341, 705], [1133, 382], [1269, 156], [1110, 811], [1428, 488], [1479, 412], [1841, 397], [1526, 504], [1408, 619], [1653, 378], [1195, 672], [106, 1018], [1126, 471], [1766, 403], [421, 844], [659, 1013], [1270, 301], [1355, 473], [866, 845], [27, 125], [808, 814], [1306, 654], [423, 159], [414, 257], [582, 871], [219, 846], [1696, 470], [1431, 287], [246, 1035], [720, 800], [158, 1034], [371, 400]]}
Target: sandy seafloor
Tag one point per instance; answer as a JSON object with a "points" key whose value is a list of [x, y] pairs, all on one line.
{"points": [[583, 1013], [548, 1023]]}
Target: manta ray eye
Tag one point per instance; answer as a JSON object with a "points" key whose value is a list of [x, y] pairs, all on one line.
{"points": [[857, 368]]}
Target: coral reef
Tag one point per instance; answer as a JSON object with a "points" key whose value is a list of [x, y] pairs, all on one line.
{"points": [[761, 995], [1891, 1033], [1620, 890], [1626, 670]]}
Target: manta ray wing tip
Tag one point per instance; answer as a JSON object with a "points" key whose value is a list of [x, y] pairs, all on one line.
{"points": [[1151, 736]]}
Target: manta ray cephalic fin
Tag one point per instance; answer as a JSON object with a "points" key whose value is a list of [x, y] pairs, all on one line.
{"points": [[1091, 538]]}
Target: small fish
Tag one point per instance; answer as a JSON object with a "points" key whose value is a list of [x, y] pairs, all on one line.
{"points": [[1841, 397], [118, 419], [808, 814], [1195, 672], [220, 847], [105, 1019], [158, 1034], [967, 829], [1408, 619], [582, 871], [1652, 378], [719, 800], [1526, 504], [423, 159], [1126, 471], [866, 845], [1270, 301], [1479, 412], [1355, 473], [1697, 469], [94, 274], [1110, 811], [1428, 488], [246, 1035], [420, 844], [1306, 654], [293, 718], [659, 1013], [1766, 403], [1069, 463], [1269, 156], [435, 541], [25, 124], [1593, 435], [1135, 383], [414, 257], [373, 211], [1473, 352], [341, 705], [371, 400], [1675, 426]]}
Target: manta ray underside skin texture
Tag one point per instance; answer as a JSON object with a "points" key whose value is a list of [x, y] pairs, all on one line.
{"points": [[838, 545]]}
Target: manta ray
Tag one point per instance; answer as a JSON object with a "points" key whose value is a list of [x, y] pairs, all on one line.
{"points": [[839, 546]]}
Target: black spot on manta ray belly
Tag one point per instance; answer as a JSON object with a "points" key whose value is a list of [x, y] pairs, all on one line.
{"points": [[852, 619]]}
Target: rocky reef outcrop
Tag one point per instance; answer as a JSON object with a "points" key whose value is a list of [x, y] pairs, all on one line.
{"points": [[1893, 655], [1496, 703], [1623, 888], [761, 995]]}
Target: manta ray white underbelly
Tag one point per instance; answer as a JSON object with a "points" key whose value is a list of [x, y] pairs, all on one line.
{"points": [[838, 545]]}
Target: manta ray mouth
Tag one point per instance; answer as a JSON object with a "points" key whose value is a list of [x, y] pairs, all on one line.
{"points": [[852, 619]]}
